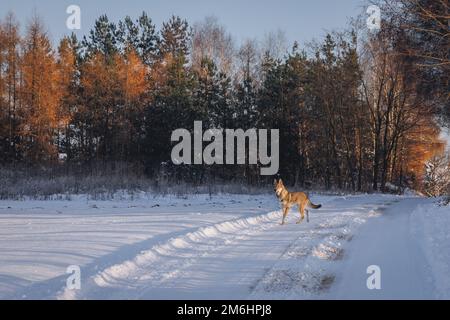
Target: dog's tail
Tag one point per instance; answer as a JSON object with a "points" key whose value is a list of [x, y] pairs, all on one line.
{"points": [[314, 206]]}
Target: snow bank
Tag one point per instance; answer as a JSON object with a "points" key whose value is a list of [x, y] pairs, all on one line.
{"points": [[431, 225]]}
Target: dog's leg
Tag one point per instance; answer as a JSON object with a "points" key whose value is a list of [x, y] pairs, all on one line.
{"points": [[307, 215], [301, 209], [285, 213]]}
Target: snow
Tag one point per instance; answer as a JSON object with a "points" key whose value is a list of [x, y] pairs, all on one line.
{"points": [[387, 242], [432, 228], [224, 247]]}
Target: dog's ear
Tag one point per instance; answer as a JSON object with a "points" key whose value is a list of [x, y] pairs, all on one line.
{"points": [[275, 182], [280, 181]]}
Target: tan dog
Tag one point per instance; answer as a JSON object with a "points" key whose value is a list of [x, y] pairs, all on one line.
{"points": [[288, 199]]}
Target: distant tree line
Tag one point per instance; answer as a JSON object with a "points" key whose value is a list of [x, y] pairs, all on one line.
{"points": [[354, 111]]}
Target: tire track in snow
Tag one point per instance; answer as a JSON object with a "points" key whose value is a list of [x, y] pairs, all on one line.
{"points": [[169, 262], [306, 268], [162, 261]]}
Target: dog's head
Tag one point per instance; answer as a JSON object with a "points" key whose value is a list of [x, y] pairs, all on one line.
{"points": [[278, 186]]}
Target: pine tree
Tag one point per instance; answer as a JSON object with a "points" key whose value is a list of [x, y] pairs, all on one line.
{"points": [[67, 88], [104, 39], [141, 36], [170, 105], [246, 113], [38, 95], [132, 74], [175, 38]]}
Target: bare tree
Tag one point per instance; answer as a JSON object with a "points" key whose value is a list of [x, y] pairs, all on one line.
{"points": [[211, 41], [425, 25], [274, 44], [247, 61], [437, 177]]}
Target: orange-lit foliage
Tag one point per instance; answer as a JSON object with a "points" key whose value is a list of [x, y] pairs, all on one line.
{"points": [[66, 69], [113, 98], [98, 80], [420, 145], [38, 94], [132, 73], [159, 73]]}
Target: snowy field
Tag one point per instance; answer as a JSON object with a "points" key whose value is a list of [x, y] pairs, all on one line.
{"points": [[224, 247]]}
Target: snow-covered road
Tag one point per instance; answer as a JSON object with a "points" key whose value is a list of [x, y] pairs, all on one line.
{"points": [[224, 247], [388, 243]]}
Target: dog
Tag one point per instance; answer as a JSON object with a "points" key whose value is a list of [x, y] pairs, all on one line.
{"points": [[288, 199]]}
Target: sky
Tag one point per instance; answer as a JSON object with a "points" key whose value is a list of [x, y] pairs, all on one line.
{"points": [[301, 20]]}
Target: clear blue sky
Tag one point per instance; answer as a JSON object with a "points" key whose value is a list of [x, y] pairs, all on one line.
{"points": [[301, 20]]}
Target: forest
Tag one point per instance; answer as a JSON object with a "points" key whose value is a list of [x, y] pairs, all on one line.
{"points": [[358, 110]]}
